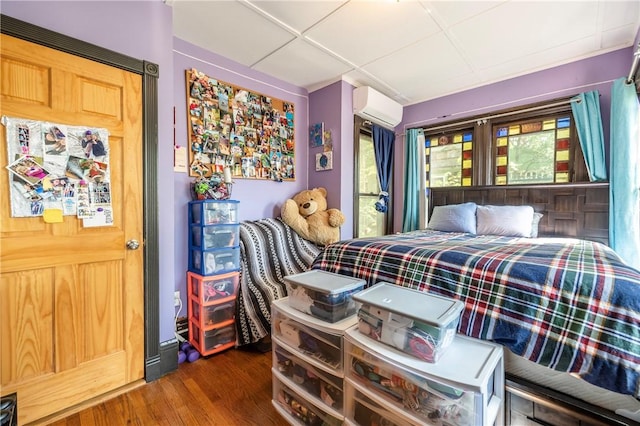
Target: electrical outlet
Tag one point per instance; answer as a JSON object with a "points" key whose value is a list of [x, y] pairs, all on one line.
{"points": [[176, 298]]}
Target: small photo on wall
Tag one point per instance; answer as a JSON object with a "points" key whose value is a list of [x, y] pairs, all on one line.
{"points": [[324, 161], [316, 135]]}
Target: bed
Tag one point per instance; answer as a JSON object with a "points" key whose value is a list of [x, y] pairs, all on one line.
{"points": [[564, 307]]}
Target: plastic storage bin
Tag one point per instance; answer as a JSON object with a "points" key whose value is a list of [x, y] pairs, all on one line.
{"points": [[325, 388], [215, 236], [418, 323], [215, 261], [213, 289], [209, 315], [324, 295], [318, 341], [465, 388], [299, 410], [364, 411], [211, 212], [216, 339]]}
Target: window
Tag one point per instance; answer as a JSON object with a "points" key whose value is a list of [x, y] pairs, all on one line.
{"points": [[532, 152], [449, 159], [534, 145], [368, 221]]}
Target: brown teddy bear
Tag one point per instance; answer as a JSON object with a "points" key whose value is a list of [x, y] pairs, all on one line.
{"points": [[308, 215]]}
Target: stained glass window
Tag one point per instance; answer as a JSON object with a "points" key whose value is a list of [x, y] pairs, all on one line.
{"points": [[533, 152], [449, 159]]}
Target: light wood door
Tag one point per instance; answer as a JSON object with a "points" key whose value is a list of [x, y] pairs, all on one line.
{"points": [[71, 297]]}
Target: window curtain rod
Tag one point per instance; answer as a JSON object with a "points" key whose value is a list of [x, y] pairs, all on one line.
{"points": [[634, 65], [483, 120]]}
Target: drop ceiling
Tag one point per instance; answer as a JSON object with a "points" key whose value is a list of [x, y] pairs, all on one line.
{"points": [[411, 51]]}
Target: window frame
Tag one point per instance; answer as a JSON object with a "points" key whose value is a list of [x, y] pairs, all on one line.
{"points": [[485, 149], [362, 126]]}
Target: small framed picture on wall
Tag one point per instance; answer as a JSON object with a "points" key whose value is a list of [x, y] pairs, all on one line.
{"points": [[324, 161]]}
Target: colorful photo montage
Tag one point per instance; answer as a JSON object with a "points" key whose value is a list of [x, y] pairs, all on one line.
{"points": [[229, 126], [53, 165]]}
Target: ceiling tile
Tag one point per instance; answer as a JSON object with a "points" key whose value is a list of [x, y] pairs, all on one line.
{"points": [[221, 27], [620, 13], [302, 64], [364, 31], [579, 49], [449, 13], [518, 29], [299, 15], [431, 61]]}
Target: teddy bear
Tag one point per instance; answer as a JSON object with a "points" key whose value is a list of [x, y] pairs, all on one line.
{"points": [[307, 214]]}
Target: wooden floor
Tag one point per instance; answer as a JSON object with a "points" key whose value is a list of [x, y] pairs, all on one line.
{"points": [[229, 388]]}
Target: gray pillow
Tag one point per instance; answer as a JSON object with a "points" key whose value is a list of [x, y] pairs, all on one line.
{"points": [[454, 218], [511, 221]]}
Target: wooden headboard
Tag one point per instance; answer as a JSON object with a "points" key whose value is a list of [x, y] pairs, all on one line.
{"points": [[572, 210]]}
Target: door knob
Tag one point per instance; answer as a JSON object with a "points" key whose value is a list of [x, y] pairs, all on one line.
{"points": [[133, 244]]}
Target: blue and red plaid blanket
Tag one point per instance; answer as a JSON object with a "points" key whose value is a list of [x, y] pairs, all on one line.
{"points": [[568, 304]]}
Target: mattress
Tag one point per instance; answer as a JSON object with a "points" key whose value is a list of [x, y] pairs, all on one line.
{"points": [[624, 405]]}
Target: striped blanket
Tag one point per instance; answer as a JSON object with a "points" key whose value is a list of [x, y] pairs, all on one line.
{"points": [[269, 251], [568, 304]]}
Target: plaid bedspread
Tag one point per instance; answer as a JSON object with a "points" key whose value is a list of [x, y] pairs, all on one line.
{"points": [[568, 304]]}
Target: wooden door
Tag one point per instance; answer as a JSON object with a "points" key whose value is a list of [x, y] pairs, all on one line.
{"points": [[71, 297]]}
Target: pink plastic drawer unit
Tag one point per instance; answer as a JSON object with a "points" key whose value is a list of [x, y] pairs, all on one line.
{"points": [[209, 315], [298, 410], [215, 261], [322, 294], [211, 212], [214, 289], [212, 340], [418, 323], [215, 236]]}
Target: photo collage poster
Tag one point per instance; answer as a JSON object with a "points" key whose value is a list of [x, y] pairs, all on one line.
{"points": [[229, 126], [58, 168]]}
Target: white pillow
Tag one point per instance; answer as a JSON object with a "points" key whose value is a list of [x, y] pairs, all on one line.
{"points": [[511, 221], [535, 224], [454, 218]]}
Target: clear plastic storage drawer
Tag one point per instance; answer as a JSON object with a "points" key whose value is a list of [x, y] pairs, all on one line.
{"points": [[215, 261], [322, 386], [464, 388], [300, 409], [215, 236], [211, 212], [319, 340], [364, 411], [213, 289]]}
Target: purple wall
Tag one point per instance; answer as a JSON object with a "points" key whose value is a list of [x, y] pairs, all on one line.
{"points": [[142, 30], [258, 198], [595, 73], [331, 105]]}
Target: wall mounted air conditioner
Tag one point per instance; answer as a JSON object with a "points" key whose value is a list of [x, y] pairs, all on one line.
{"points": [[372, 105]]}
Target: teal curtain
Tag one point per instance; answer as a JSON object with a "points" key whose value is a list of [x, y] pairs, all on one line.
{"points": [[624, 185], [586, 112], [412, 193]]}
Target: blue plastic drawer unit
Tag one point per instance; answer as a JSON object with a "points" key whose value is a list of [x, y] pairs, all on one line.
{"points": [[418, 323], [322, 294], [212, 212]]}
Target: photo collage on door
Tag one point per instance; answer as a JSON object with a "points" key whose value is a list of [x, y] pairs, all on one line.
{"points": [[57, 167]]}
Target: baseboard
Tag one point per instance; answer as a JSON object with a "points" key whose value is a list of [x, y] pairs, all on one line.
{"points": [[165, 363]]}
